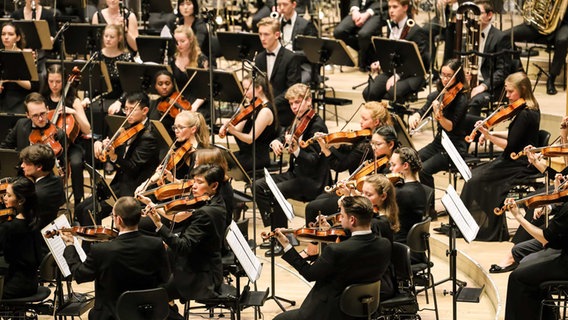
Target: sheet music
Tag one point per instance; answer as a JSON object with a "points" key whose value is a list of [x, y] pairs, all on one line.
{"points": [[456, 157], [57, 245], [284, 204], [457, 210], [243, 252]]}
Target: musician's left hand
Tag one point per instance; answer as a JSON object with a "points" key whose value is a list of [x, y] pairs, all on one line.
{"points": [[293, 147], [512, 206], [67, 237], [281, 237]]}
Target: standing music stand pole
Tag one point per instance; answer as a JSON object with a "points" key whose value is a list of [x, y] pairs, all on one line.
{"points": [[288, 211]]}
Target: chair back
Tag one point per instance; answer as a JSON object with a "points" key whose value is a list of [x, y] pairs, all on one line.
{"points": [[429, 191], [150, 304], [400, 259], [418, 236], [543, 138], [360, 300]]}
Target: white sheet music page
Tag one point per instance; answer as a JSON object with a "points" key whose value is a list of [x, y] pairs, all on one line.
{"points": [[462, 218], [56, 245], [456, 157], [243, 252], [284, 204]]}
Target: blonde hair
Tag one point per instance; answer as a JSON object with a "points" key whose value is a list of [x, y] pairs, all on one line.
{"points": [[119, 34], [195, 119], [521, 82], [379, 111], [298, 90], [382, 185], [194, 50], [274, 24]]}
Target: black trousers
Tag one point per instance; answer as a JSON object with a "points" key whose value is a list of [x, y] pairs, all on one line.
{"points": [[359, 38]]}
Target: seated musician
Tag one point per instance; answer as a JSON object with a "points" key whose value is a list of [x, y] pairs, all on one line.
{"points": [[450, 118], [402, 27], [309, 171], [334, 270], [132, 261], [198, 269], [135, 159], [164, 84], [116, 14], [265, 125], [492, 71], [18, 240], [77, 125], [14, 92], [188, 14], [280, 65], [491, 182]]}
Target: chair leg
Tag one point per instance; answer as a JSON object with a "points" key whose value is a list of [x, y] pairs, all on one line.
{"points": [[431, 278]]}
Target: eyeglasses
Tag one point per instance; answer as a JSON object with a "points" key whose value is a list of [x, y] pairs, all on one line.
{"points": [[175, 128], [39, 115], [446, 76], [129, 110]]}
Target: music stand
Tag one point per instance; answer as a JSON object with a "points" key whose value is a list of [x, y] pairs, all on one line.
{"points": [[7, 122], [96, 70], [236, 170], [83, 38], [138, 77], [239, 45], [400, 57], [401, 132], [159, 6], [226, 85], [36, 32], [17, 65], [9, 163], [164, 142], [147, 46], [104, 191]]}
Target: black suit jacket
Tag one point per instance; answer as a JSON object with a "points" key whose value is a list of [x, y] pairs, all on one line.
{"points": [[302, 27], [285, 73], [495, 41], [51, 196], [198, 269], [19, 136], [136, 164], [359, 259], [132, 261]]}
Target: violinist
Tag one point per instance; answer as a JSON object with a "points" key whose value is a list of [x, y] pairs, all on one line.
{"points": [[165, 86], [198, 269], [265, 122], [135, 159], [491, 182], [188, 14], [131, 261], [308, 173], [450, 117], [19, 241], [362, 258]]}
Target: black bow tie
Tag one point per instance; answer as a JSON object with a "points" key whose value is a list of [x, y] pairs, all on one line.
{"points": [[270, 53], [285, 22], [394, 25]]}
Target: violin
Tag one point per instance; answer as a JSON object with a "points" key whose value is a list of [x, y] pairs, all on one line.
{"points": [[356, 179], [537, 200], [180, 209], [92, 233], [170, 190], [120, 137], [300, 123], [450, 95], [175, 100], [338, 137], [46, 135], [330, 235], [179, 154], [498, 116], [67, 123], [242, 114], [334, 219], [7, 214], [4, 182], [548, 151]]}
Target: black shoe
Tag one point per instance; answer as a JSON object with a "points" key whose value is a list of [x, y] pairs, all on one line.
{"points": [[109, 168], [278, 251], [265, 245], [495, 268], [550, 88]]}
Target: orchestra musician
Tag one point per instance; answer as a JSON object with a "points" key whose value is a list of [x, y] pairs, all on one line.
{"points": [[18, 240], [132, 261], [197, 266], [280, 65], [308, 173], [116, 14], [401, 27], [450, 118], [491, 182], [135, 159], [14, 92], [187, 14], [265, 122], [164, 85], [334, 270]]}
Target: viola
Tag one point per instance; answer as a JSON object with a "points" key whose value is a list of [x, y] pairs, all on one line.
{"points": [[173, 189], [91, 233], [548, 151], [118, 140], [174, 104], [242, 114], [179, 154], [46, 135], [68, 122], [356, 179], [338, 137], [498, 116], [330, 235]]}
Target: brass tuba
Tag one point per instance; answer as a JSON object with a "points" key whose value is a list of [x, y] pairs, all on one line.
{"points": [[467, 38], [544, 15]]}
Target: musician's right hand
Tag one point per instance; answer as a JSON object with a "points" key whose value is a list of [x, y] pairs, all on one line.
{"points": [[277, 147], [413, 120], [375, 67], [115, 107], [538, 212]]}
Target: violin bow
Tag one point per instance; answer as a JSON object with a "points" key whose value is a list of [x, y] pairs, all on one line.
{"points": [[117, 133], [162, 164], [178, 96], [288, 142]]}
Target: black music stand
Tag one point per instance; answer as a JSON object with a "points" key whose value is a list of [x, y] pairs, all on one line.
{"points": [[96, 70], [17, 65], [7, 122], [239, 45], [155, 48], [104, 191], [37, 34], [138, 77], [83, 38], [226, 85], [400, 57], [236, 170], [9, 163]]}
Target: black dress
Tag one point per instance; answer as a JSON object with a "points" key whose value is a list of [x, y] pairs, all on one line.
{"points": [[491, 182], [411, 200], [262, 148], [181, 78]]}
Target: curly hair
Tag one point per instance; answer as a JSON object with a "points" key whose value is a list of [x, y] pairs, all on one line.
{"points": [[411, 157]]}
